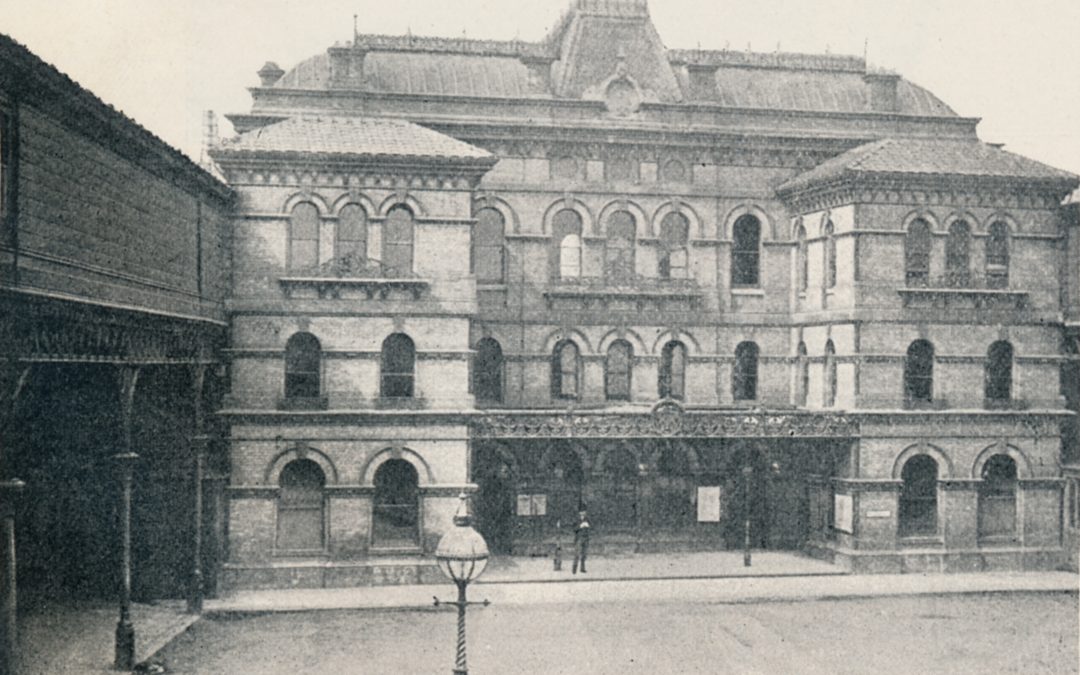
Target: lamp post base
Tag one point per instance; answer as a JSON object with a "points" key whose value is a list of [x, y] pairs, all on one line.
{"points": [[125, 645]]}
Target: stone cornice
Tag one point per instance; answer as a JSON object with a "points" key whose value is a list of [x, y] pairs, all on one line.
{"points": [[944, 190], [338, 172]]}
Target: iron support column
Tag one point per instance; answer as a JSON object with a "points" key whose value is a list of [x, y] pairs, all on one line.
{"points": [[125, 630], [9, 622], [199, 443]]}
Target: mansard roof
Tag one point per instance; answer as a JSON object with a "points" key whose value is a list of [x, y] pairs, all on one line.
{"points": [[357, 137], [595, 42], [936, 158]]}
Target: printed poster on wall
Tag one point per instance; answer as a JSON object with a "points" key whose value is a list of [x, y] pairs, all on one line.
{"points": [[708, 504], [532, 505], [844, 513], [524, 505]]}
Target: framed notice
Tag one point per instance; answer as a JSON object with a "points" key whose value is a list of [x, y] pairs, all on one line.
{"points": [[844, 513], [708, 504], [530, 505], [524, 505]]}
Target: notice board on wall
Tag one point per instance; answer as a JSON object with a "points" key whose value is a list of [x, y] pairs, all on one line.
{"points": [[531, 505], [708, 504], [844, 513]]}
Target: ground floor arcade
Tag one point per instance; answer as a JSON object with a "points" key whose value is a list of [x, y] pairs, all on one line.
{"points": [[341, 498], [110, 464]]}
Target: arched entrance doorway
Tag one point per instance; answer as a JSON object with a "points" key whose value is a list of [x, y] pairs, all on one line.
{"points": [[396, 512], [615, 504], [495, 501], [564, 478]]}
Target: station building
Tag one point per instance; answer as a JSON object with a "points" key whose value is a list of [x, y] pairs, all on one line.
{"points": [[683, 289]]}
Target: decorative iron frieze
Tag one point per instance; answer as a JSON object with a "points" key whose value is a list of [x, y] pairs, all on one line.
{"points": [[667, 422], [44, 330]]}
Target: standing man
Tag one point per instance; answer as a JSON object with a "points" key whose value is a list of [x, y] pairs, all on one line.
{"points": [[581, 541]]}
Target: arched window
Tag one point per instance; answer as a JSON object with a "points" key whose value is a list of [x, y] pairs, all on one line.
{"points": [[302, 366], [918, 497], [802, 383], [744, 379], [566, 370], [351, 233], [997, 255], [398, 366], [304, 237], [919, 372], [999, 363], [300, 507], [674, 234], [617, 371], [566, 227], [997, 499], [488, 247], [488, 371], [802, 260], [672, 382], [958, 255], [830, 256], [397, 244], [917, 245], [745, 253], [619, 248], [829, 395], [396, 508]]}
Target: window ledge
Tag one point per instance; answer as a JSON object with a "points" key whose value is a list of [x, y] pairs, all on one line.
{"points": [[919, 404], [748, 290], [318, 553], [921, 540], [962, 298], [303, 403], [1006, 404], [399, 403], [1002, 540]]}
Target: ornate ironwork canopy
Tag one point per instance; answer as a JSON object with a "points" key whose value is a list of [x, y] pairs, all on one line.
{"points": [[666, 420]]}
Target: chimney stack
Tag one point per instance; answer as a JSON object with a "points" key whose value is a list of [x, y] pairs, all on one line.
{"points": [[270, 73], [883, 95]]}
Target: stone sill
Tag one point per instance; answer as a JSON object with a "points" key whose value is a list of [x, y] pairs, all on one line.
{"points": [[921, 541], [304, 403]]}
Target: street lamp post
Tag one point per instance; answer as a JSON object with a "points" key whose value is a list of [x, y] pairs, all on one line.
{"points": [[747, 472], [125, 631], [462, 554]]}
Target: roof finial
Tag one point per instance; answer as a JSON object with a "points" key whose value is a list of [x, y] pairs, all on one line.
{"points": [[355, 28]]}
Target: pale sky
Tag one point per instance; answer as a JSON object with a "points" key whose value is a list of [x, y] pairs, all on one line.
{"points": [[1014, 64]]}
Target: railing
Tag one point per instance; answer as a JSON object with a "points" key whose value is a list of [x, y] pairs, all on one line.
{"points": [[367, 275]]}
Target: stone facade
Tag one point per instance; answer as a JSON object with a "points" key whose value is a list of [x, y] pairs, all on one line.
{"points": [[684, 248]]}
